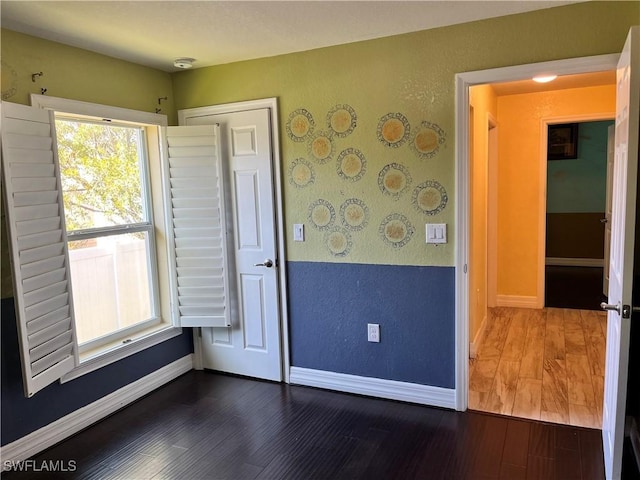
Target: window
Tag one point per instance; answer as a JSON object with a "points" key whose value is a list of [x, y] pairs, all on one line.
{"points": [[109, 227], [117, 233]]}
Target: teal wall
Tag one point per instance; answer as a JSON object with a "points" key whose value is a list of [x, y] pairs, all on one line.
{"points": [[579, 186]]}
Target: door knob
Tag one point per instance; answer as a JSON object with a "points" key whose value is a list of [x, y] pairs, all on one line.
{"points": [[267, 263], [608, 306], [603, 220]]}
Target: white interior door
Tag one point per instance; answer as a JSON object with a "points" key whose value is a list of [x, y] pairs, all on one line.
{"points": [[607, 209], [251, 346], [625, 175]]}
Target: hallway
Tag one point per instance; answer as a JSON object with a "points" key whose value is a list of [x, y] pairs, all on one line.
{"points": [[541, 364]]}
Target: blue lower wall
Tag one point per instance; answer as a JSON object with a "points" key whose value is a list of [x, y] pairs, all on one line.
{"points": [[330, 305], [21, 415]]}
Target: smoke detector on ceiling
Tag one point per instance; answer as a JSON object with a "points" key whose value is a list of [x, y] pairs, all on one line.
{"points": [[183, 63]]}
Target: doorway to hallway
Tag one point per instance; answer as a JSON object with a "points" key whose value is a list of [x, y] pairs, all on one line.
{"points": [[576, 218], [528, 361]]}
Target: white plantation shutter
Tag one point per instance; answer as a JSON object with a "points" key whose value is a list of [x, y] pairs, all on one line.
{"points": [[35, 220], [201, 277]]}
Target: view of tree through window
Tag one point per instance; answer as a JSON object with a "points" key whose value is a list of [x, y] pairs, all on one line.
{"points": [[110, 237], [100, 171]]}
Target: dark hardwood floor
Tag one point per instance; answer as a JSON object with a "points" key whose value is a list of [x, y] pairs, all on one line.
{"points": [[210, 426]]}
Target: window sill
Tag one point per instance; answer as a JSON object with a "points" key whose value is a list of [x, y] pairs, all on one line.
{"points": [[100, 357]]}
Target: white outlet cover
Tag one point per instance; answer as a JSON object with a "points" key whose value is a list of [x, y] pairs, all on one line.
{"points": [[373, 332]]}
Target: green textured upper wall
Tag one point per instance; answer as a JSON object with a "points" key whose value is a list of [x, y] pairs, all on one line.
{"points": [[78, 74], [411, 74]]}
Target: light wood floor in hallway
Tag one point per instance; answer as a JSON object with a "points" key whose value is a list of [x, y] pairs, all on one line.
{"points": [[541, 364]]}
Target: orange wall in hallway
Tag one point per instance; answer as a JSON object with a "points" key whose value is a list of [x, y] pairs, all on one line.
{"points": [[519, 162], [484, 103]]}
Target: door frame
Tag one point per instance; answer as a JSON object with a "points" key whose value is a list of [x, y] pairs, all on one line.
{"points": [[272, 105], [463, 81], [492, 210], [542, 200]]}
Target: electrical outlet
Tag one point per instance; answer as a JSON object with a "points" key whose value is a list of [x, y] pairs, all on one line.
{"points": [[373, 332]]}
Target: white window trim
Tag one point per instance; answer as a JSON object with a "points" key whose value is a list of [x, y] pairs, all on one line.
{"points": [[96, 110], [145, 340], [153, 335], [107, 341], [127, 333]]}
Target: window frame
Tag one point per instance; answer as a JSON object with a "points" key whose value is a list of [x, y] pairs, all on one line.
{"points": [[147, 226], [136, 339]]}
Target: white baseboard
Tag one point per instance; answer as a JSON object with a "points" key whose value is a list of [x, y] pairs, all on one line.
{"points": [[45, 437], [517, 301], [374, 387], [574, 262], [475, 345]]}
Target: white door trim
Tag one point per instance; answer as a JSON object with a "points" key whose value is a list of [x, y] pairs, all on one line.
{"points": [[463, 82], [492, 211], [272, 105]]}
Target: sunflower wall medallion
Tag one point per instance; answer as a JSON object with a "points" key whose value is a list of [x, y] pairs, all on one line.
{"points": [[338, 241], [354, 214], [321, 147], [393, 180], [427, 140], [393, 129], [322, 215], [396, 230], [342, 120], [300, 125], [351, 164], [430, 197], [301, 173]]}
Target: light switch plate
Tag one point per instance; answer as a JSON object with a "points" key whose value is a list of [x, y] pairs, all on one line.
{"points": [[436, 233], [298, 232]]}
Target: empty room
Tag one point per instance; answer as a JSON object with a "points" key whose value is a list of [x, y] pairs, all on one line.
{"points": [[252, 240]]}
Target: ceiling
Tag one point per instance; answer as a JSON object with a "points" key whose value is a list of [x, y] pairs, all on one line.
{"points": [[581, 80], [155, 33]]}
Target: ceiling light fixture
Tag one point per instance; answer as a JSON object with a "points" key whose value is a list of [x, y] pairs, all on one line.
{"points": [[183, 63], [544, 78]]}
